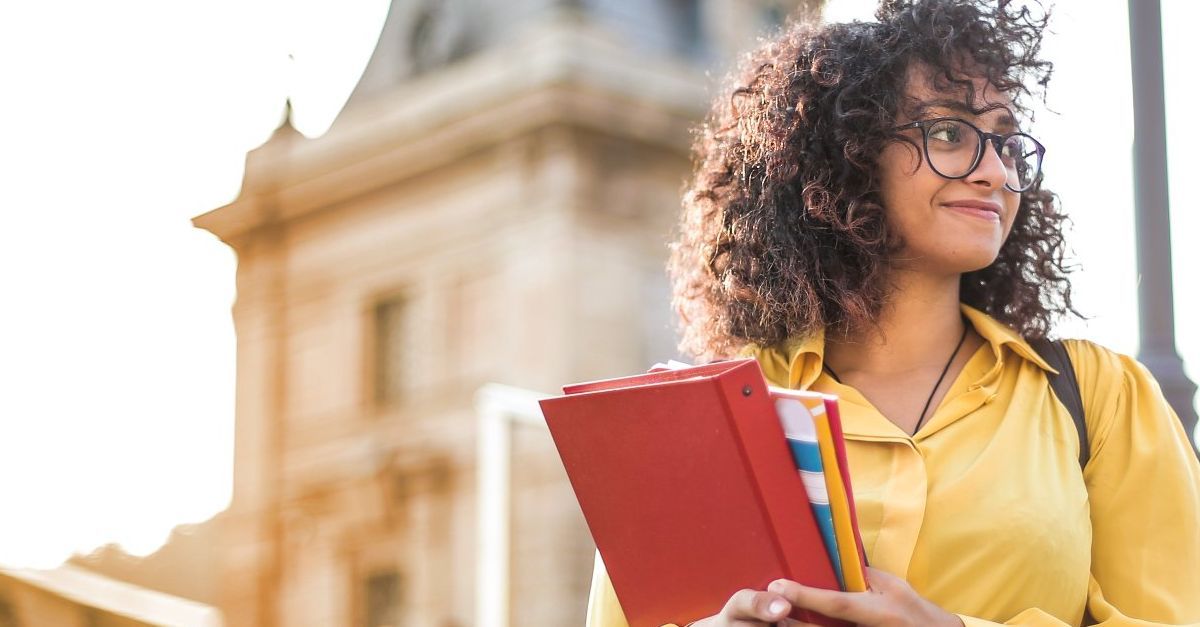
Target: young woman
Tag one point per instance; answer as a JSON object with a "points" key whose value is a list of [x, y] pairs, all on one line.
{"points": [[868, 219]]}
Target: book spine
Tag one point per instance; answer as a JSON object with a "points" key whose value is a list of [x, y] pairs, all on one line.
{"points": [[777, 484], [801, 434], [839, 503], [835, 428]]}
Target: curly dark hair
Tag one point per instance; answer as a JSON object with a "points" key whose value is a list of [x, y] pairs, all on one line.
{"points": [[782, 232]]}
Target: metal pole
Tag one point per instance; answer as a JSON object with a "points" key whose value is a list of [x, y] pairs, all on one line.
{"points": [[1156, 300]]}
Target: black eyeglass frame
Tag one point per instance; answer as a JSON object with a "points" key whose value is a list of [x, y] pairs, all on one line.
{"points": [[985, 138]]}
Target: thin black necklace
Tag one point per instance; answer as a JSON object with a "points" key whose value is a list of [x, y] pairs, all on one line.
{"points": [[932, 392]]}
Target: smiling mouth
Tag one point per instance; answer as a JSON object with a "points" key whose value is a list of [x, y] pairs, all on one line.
{"points": [[979, 211]]}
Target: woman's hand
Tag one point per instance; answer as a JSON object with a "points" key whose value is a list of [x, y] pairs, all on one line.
{"points": [[749, 608], [890, 602]]}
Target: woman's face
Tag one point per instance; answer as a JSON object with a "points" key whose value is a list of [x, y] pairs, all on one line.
{"points": [[948, 226]]}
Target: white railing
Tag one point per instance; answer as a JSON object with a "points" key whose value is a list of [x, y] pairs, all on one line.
{"points": [[498, 408], [94, 590]]}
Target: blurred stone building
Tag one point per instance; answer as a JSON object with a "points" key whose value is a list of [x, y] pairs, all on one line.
{"points": [[492, 206]]}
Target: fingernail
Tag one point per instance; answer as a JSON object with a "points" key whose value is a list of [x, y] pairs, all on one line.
{"points": [[775, 586], [777, 606]]}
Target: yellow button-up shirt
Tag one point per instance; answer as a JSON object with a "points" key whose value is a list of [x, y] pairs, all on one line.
{"points": [[985, 511]]}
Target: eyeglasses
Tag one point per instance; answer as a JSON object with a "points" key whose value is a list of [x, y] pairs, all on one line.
{"points": [[954, 148]]}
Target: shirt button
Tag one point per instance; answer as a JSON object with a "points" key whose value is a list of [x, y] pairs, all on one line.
{"points": [[991, 398]]}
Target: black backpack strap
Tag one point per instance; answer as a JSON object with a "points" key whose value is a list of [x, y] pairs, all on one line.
{"points": [[1066, 388]]}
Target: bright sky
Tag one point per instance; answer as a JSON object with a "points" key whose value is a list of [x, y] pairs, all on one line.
{"points": [[122, 120]]}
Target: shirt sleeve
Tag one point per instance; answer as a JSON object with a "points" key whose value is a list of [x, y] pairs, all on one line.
{"points": [[603, 608], [1143, 484], [1102, 611]]}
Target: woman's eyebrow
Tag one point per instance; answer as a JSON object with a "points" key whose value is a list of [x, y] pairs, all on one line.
{"points": [[925, 107], [1006, 122]]}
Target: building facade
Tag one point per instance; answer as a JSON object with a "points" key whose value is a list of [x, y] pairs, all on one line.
{"points": [[493, 205]]}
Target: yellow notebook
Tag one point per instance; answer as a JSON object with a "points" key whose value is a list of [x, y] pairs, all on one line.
{"points": [[843, 526]]}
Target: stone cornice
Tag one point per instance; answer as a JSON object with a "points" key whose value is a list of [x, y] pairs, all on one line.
{"points": [[558, 73]]}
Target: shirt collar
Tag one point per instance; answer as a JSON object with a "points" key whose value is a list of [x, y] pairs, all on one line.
{"points": [[999, 335], [797, 362]]}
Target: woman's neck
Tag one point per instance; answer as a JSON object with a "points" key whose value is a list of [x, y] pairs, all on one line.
{"points": [[918, 328]]}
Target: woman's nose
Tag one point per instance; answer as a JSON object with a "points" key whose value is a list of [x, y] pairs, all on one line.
{"points": [[991, 169]]}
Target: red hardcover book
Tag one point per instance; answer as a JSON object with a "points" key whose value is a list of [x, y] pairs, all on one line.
{"points": [[689, 490]]}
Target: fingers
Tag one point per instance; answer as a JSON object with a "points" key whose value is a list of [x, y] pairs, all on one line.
{"points": [[855, 607], [881, 580], [756, 605]]}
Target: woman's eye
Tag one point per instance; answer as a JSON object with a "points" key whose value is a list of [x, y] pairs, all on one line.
{"points": [[946, 132], [1014, 152]]}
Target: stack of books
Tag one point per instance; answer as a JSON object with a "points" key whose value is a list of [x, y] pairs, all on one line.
{"points": [[699, 481]]}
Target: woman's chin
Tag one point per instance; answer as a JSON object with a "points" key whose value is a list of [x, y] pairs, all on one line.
{"points": [[983, 261]]}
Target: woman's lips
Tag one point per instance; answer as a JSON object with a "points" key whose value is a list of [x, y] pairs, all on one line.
{"points": [[979, 209]]}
